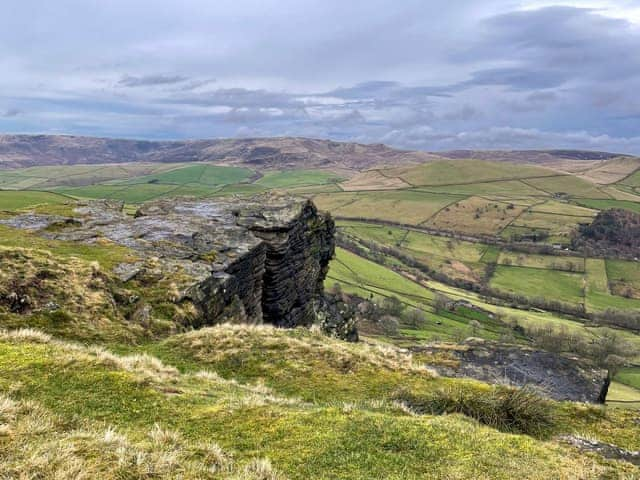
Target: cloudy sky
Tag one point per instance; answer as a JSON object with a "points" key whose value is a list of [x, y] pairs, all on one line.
{"points": [[419, 74]]}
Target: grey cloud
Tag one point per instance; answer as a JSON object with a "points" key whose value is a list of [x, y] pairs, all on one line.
{"points": [[12, 112], [150, 80], [415, 74]]}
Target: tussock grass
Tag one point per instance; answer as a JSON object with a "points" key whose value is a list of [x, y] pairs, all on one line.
{"points": [[222, 340], [36, 444], [515, 410], [101, 421]]}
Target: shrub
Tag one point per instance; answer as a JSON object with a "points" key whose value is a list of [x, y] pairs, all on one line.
{"points": [[514, 410], [389, 324], [392, 306]]}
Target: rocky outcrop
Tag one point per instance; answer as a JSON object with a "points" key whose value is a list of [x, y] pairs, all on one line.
{"points": [[560, 377], [257, 260]]}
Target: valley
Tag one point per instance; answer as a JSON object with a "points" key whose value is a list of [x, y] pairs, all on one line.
{"points": [[431, 249]]}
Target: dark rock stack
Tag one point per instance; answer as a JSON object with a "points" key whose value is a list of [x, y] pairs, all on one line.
{"points": [[254, 260]]}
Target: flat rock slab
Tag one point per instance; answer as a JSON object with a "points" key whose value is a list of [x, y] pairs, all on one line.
{"points": [[561, 377]]}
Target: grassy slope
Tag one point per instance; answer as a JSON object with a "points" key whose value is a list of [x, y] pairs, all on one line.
{"points": [[87, 391], [457, 171]]}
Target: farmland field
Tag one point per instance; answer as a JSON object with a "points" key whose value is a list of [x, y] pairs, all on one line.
{"points": [[405, 206], [624, 277], [456, 171], [295, 178], [535, 282], [547, 262], [605, 204], [10, 200], [200, 174], [569, 185], [476, 215]]}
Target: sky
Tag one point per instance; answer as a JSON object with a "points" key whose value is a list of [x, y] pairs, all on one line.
{"points": [[414, 74]]}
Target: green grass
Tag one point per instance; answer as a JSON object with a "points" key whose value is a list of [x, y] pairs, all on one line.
{"points": [[625, 271], [297, 178], [569, 185], [107, 254], [632, 180], [630, 376], [92, 191], [556, 225], [534, 282], [127, 193], [563, 208], [402, 206], [607, 204], [455, 172], [515, 189], [16, 200], [623, 396], [432, 244], [549, 262], [202, 174], [365, 277], [491, 254], [323, 439]]}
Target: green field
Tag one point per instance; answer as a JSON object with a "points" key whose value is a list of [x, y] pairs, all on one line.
{"points": [[535, 282], [632, 180], [569, 185], [625, 271], [297, 178], [549, 262], [455, 172], [15, 200], [630, 376], [606, 204], [210, 175], [408, 207]]}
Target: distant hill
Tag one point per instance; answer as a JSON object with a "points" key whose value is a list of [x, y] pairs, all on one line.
{"points": [[530, 156], [18, 151]]}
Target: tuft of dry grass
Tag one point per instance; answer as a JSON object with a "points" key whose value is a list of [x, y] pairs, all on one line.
{"points": [[36, 444], [223, 340]]}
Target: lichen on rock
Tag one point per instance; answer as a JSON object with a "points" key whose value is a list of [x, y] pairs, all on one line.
{"points": [[256, 260]]}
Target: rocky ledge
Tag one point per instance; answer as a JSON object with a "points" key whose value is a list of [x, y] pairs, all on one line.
{"points": [[257, 260], [561, 377]]}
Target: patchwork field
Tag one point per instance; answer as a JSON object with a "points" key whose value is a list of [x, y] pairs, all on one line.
{"points": [[612, 171], [454, 172]]}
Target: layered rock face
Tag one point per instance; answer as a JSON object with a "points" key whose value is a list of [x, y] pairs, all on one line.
{"points": [[257, 260]]}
